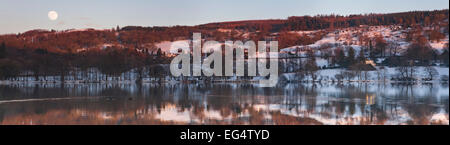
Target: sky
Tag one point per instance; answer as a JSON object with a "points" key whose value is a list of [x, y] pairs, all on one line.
{"points": [[23, 15]]}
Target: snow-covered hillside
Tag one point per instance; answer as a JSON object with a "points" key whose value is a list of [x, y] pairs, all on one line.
{"points": [[351, 37]]}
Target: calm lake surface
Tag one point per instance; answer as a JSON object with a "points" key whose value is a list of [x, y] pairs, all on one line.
{"points": [[286, 104]]}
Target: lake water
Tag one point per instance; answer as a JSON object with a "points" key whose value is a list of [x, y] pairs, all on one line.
{"points": [[286, 104]]}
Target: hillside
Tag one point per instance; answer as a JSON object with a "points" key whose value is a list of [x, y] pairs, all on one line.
{"points": [[145, 37], [307, 44]]}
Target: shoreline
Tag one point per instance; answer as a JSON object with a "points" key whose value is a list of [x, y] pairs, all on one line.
{"points": [[221, 82]]}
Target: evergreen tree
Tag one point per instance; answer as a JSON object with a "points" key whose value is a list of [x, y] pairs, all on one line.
{"points": [[2, 50], [350, 59], [445, 57], [361, 57], [159, 53], [340, 57], [370, 49]]}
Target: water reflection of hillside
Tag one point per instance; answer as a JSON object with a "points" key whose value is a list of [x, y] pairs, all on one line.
{"points": [[225, 104]]}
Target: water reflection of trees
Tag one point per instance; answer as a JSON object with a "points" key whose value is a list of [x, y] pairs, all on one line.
{"points": [[359, 103]]}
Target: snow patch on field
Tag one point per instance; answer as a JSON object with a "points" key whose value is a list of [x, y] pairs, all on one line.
{"points": [[440, 45], [166, 45], [387, 72]]}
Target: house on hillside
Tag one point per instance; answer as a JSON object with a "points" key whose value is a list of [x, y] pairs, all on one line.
{"points": [[369, 65], [370, 62]]}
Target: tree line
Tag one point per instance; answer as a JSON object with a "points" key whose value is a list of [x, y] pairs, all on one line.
{"points": [[103, 65], [114, 51]]}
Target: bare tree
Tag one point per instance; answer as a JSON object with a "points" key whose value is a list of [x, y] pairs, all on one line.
{"points": [[339, 77], [393, 49], [349, 75], [406, 72], [431, 72], [311, 68]]}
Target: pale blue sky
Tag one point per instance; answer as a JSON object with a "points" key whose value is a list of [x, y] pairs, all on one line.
{"points": [[22, 15]]}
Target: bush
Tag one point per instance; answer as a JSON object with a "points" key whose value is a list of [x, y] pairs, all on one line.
{"points": [[444, 78], [339, 77], [9, 69]]}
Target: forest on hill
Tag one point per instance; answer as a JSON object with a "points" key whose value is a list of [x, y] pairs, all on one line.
{"points": [[42, 53]]}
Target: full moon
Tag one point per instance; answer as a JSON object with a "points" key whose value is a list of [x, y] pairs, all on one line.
{"points": [[52, 15]]}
